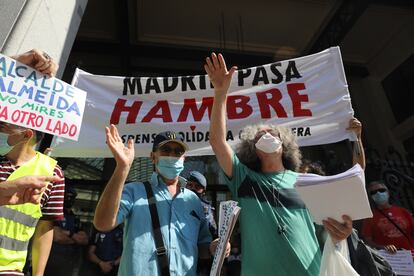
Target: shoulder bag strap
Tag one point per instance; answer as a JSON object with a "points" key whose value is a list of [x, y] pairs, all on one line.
{"points": [[159, 244], [396, 226]]}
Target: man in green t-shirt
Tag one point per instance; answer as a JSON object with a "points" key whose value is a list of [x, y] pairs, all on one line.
{"points": [[277, 233]]}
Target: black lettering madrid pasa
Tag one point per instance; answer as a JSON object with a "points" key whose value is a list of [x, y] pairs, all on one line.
{"points": [[170, 87], [292, 71], [187, 81], [132, 85], [152, 85], [275, 71], [260, 76]]}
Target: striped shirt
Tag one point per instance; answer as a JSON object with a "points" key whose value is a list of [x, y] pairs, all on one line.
{"points": [[51, 202], [52, 199]]}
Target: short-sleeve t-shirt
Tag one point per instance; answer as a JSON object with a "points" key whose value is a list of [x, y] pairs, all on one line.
{"points": [[51, 202], [383, 232], [268, 204], [108, 244]]}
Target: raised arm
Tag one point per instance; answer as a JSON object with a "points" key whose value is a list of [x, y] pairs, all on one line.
{"points": [[220, 78], [358, 155], [108, 205]]}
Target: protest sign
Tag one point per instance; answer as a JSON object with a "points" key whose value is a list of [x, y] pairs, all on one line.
{"points": [[33, 100], [228, 214], [401, 261], [307, 94]]}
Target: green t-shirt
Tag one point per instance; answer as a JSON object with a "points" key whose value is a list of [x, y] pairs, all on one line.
{"points": [[269, 202]]}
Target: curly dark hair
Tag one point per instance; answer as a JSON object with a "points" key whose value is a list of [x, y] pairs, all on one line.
{"points": [[246, 149], [311, 167]]}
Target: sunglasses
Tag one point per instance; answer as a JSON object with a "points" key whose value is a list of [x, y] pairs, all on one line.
{"points": [[178, 151], [382, 190]]}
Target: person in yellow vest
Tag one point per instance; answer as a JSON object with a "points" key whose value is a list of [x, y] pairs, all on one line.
{"points": [[19, 223]]}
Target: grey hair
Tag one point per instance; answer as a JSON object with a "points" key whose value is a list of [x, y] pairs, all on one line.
{"points": [[246, 149]]}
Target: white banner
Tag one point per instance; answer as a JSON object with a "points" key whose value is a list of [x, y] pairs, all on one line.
{"points": [[308, 94], [33, 100]]}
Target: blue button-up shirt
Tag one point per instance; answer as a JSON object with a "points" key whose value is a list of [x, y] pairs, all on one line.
{"points": [[183, 227]]}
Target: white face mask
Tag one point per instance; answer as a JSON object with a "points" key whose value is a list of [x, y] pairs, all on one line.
{"points": [[4, 146], [268, 143]]}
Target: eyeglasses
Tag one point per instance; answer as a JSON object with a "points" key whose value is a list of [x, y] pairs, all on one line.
{"points": [[382, 190], [178, 151]]}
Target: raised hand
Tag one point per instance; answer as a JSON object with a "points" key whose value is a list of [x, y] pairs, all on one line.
{"points": [[123, 155], [355, 126], [26, 189], [217, 71]]}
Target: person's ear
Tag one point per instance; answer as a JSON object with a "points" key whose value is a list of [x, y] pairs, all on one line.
{"points": [[29, 134], [152, 156]]}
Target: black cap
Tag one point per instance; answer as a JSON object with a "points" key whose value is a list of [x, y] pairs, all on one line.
{"points": [[165, 137], [197, 177]]}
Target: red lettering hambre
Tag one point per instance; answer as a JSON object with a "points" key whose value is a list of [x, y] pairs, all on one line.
{"points": [[238, 107], [271, 98], [198, 112], [165, 115], [298, 99], [120, 107]]}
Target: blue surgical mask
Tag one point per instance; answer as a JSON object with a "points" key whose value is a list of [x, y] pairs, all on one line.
{"points": [[381, 198], [4, 146], [170, 167]]}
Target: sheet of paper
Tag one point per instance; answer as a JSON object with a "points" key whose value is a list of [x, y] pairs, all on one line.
{"points": [[334, 196], [228, 214], [401, 262]]}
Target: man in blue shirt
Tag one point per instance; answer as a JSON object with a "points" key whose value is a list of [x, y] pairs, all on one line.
{"points": [[197, 183], [183, 225]]}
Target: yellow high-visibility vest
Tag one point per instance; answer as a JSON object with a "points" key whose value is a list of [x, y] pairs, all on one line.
{"points": [[18, 222]]}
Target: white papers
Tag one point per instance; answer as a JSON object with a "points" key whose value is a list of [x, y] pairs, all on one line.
{"points": [[401, 262], [336, 195], [229, 212]]}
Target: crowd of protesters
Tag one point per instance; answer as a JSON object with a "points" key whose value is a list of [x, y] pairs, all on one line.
{"points": [[166, 226]]}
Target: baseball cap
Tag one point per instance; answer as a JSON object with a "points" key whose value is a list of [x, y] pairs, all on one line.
{"points": [[165, 137], [197, 177]]}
